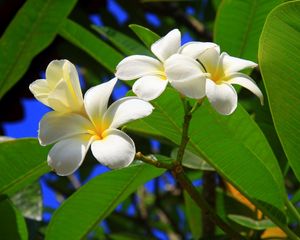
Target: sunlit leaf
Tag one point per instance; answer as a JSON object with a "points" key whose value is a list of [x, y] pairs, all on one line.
{"points": [[279, 59], [234, 145], [96, 200], [238, 26], [32, 30]]}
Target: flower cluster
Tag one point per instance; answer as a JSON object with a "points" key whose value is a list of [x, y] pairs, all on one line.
{"points": [[196, 70], [79, 122]]}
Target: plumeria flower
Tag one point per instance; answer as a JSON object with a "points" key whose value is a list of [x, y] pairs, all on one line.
{"points": [[197, 62], [149, 71], [74, 132], [61, 89]]}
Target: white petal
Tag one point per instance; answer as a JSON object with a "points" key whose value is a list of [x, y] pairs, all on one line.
{"points": [[194, 49], [149, 87], [96, 99], [186, 75], [115, 150], [246, 82], [210, 59], [66, 156], [56, 126], [40, 90], [167, 45], [234, 64], [137, 66], [125, 110], [223, 97]]}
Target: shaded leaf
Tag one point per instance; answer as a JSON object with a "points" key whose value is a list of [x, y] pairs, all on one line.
{"points": [[13, 225], [96, 200], [88, 42], [251, 223], [124, 43], [32, 30], [146, 35], [21, 162], [29, 201]]}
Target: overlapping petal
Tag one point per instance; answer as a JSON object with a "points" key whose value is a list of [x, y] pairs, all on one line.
{"points": [[186, 75], [40, 90], [167, 45], [149, 87], [195, 49], [67, 155], [210, 59], [246, 82], [137, 66], [125, 110], [96, 99], [222, 97], [56, 126], [115, 150]]}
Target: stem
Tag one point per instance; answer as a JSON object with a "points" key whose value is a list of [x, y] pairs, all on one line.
{"points": [[209, 194], [185, 128], [153, 162], [200, 201], [293, 210]]}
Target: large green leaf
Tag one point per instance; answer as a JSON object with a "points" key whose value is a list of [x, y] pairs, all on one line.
{"points": [[238, 26], [126, 44], [233, 145], [21, 162], [92, 45], [80, 213], [13, 225], [279, 59], [32, 30]]}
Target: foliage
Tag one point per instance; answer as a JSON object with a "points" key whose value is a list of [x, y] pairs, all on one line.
{"points": [[212, 177]]}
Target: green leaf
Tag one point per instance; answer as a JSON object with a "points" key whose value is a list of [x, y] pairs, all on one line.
{"points": [[146, 35], [124, 43], [13, 225], [279, 59], [193, 215], [96, 200], [29, 201], [239, 24], [251, 223], [234, 145], [92, 45], [21, 162], [32, 30]]}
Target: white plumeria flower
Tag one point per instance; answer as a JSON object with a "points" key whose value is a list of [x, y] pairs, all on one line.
{"points": [[196, 61], [150, 71], [61, 89], [74, 133]]}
